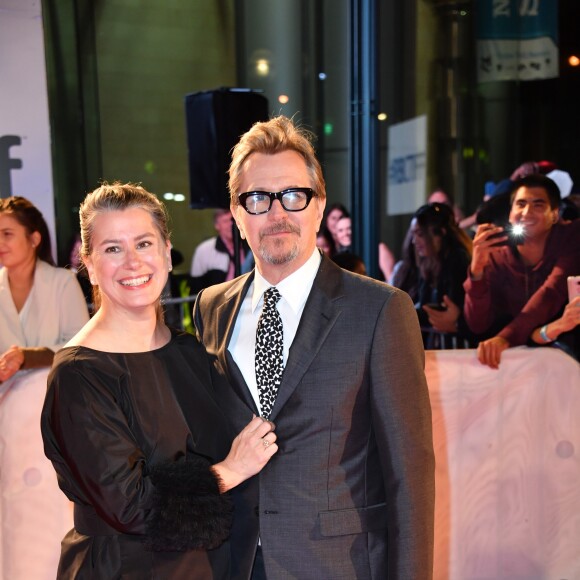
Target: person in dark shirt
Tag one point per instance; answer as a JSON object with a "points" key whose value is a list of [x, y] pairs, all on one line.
{"points": [[436, 256]]}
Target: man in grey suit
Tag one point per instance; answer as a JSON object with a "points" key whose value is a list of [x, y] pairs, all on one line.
{"points": [[350, 493]]}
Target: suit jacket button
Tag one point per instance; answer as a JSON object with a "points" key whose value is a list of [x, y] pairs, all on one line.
{"points": [[257, 511]]}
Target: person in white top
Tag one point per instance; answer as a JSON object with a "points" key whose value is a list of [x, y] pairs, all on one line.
{"points": [[41, 308], [214, 259]]}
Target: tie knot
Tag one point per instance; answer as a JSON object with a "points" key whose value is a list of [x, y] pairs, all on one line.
{"points": [[271, 297]]}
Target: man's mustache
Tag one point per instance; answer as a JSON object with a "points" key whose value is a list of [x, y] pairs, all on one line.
{"points": [[280, 228]]}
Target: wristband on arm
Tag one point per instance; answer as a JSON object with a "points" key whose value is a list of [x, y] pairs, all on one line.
{"points": [[544, 334]]}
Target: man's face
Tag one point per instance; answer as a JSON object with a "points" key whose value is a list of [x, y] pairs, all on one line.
{"points": [[281, 241], [531, 209], [223, 226]]}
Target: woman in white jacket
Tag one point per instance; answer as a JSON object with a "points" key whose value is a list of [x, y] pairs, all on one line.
{"points": [[41, 308]]}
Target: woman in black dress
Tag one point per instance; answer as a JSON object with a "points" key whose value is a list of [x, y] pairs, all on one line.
{"points": [[130, 420]]}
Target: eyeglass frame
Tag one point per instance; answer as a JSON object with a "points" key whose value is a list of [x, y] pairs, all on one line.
{"points": [[279, 195]]}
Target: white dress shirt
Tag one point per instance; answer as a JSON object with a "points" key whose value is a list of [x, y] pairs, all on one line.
{"points": [[294, 291]]}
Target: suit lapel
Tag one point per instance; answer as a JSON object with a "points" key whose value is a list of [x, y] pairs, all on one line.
{"points": [[226, 315], [238, 383], [322, 309]]}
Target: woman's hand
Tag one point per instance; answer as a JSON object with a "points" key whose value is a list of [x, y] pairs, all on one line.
{"points": [[250, 451], [11, 362], [444, 320]]}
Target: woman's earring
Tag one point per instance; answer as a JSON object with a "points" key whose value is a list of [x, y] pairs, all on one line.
{"points": [[170, 267]]}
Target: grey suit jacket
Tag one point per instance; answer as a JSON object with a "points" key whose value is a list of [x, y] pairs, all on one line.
{"points": [[350, 493]]}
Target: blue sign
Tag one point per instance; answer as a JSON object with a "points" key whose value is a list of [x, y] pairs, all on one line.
{"points": [[517, 39], [517, 19]]}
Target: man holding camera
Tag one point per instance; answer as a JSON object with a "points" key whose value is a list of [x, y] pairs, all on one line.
{"points": [[517, 277]]}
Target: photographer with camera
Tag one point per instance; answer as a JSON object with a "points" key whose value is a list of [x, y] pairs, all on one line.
{"points": [[517, 277]]}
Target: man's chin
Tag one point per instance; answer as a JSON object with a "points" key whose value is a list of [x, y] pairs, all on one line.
{"points": [[278, 256]]}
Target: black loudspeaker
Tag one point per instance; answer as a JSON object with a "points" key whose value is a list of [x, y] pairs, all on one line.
{"points": [[215, 121]]}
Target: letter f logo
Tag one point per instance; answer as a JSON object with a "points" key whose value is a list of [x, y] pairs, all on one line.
{"points": [[7, 163]]}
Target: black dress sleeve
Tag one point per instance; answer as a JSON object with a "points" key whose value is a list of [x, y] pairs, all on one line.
{"points": [[89, 437]]}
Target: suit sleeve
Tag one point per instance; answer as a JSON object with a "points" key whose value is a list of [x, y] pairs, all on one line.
{"points": [[197, 318], [401, 414]]}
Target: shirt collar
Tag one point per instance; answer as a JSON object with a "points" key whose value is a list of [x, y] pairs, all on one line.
{"points": [[295, 288]]}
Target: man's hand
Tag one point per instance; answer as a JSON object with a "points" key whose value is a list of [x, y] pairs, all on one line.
{"points": [[444, 320], [489, 351], [483, 247], [571, 317]]}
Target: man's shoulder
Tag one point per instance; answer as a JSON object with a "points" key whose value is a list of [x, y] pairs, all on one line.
{"points": [[564, 235], [218, 293], [355, 286]]}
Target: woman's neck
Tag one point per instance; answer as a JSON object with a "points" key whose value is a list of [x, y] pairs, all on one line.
{"points": [[115, 330], [21, 279], [22, 274]]}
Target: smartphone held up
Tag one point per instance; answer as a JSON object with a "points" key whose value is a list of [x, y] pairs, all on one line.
{"points": [[573, 287]]}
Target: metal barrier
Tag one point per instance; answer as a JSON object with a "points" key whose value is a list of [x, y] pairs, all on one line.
{"points": [[178, 312], [435, 340]]}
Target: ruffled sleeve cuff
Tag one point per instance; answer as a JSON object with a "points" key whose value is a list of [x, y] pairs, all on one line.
{"points": [[189, 512]]}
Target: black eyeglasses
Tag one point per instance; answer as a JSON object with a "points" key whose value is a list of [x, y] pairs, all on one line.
{"points": [[293, 199]]}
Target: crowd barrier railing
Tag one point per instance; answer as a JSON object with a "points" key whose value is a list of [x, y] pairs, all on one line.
{"points": [[507, 448], [34, 513]]}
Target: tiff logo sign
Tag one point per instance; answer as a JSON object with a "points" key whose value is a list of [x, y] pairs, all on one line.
{"points": [[8, 163]]}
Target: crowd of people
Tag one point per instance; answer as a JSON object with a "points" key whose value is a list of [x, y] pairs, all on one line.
{"points": [[290, 435], [434, 265], [475, 283]]}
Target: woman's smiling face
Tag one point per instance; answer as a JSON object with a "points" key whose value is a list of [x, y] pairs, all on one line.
{"points": [[129, 259]]}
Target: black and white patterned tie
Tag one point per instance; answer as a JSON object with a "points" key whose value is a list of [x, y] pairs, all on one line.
{"points": [[269, 361]]}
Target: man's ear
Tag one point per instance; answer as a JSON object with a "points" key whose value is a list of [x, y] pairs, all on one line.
{"points": [[321, 207], [235, 209]]}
